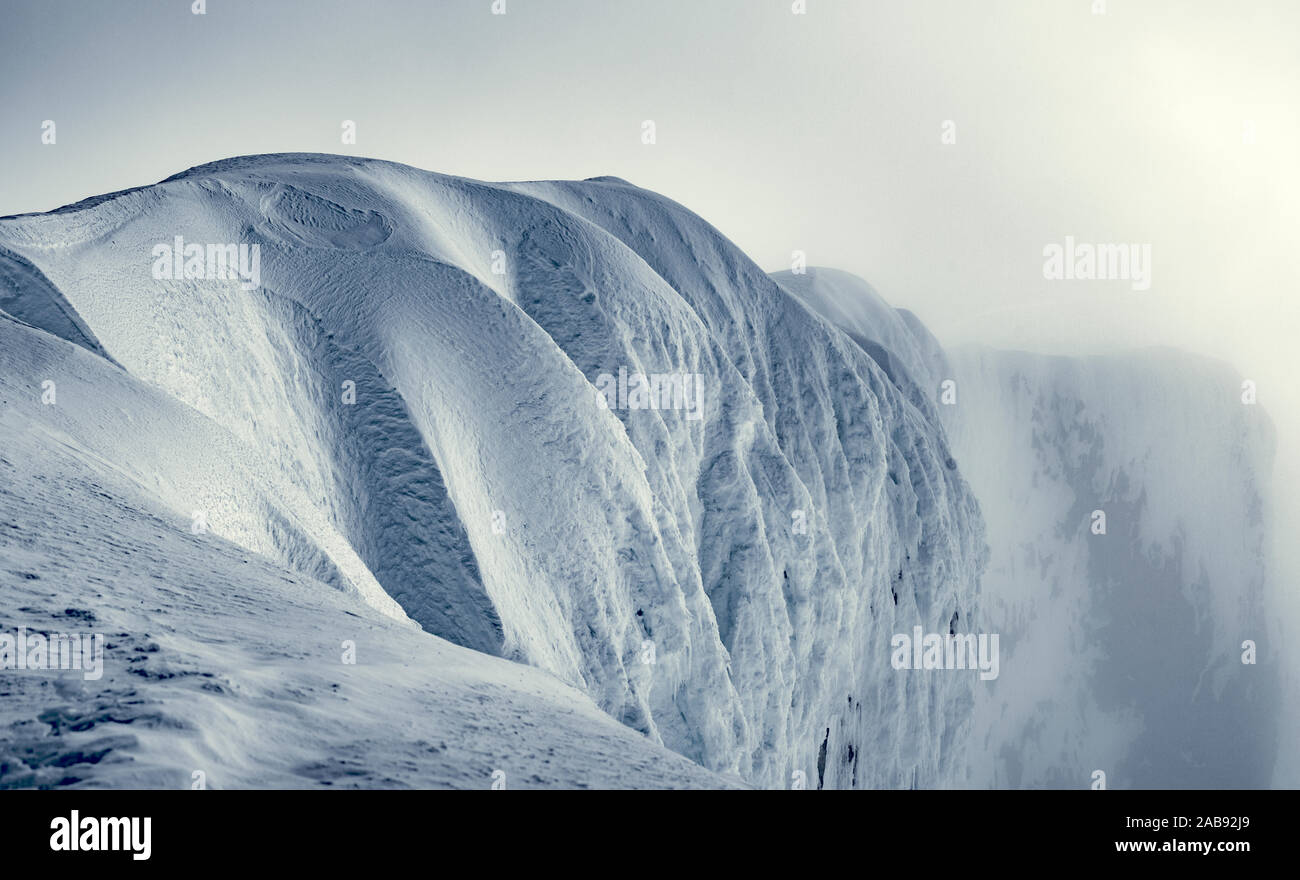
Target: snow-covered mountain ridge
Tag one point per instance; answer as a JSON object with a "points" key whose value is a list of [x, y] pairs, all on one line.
{"points": [[424, 410], [406, 410]]}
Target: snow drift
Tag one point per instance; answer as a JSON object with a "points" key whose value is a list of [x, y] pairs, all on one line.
{"points": [[224, 667]]}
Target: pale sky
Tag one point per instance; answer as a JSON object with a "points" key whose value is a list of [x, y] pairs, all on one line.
{"points": [[818, 132]]}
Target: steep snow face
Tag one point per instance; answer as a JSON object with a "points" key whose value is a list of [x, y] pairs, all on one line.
{"points": [[1122, 650], [895, 337], [424, 400]]}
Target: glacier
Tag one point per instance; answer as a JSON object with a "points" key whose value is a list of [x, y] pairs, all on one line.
{"points": [[397, 441]]}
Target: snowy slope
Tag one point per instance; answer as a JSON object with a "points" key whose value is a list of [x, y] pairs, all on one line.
{"points": [[654, 560], [1122, 651], [895, 337], [217, 660]]}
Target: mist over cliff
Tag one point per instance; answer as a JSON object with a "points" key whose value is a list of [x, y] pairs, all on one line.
{"points": [[1128, 507]]}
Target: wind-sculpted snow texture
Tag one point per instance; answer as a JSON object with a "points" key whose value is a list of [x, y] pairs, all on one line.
{"points": [[726, 585], [1121, 652]]}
